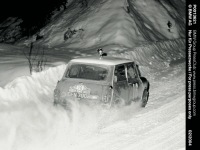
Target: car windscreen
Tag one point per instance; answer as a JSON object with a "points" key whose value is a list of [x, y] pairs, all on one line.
{"points": [[87, 71]]}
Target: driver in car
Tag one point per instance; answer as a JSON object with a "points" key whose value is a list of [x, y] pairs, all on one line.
{"points": [[132, 75]]}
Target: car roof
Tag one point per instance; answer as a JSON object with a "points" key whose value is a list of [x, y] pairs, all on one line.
{"points": [[105, 60]]}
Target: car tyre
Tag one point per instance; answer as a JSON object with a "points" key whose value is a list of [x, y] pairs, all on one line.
{"points": [[145, 98]]}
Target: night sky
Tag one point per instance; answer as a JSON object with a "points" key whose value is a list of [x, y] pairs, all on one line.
{"points": [[35, 14], [32, 12]]}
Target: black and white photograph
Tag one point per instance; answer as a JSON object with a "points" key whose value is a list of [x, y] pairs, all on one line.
{"points": [[98, 74]]}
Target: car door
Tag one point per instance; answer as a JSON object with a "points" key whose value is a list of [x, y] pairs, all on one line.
{"points": [[120, 85], [134, 82]]}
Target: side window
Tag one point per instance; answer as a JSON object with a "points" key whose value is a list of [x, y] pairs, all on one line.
{"points": [[131, 71], [120, 73], [139, 73]]}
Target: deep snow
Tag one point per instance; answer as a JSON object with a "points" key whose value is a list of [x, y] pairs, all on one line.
{"points": [[28, 119]]}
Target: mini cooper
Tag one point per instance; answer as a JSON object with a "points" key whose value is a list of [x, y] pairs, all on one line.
{"points": [[102, 80]]}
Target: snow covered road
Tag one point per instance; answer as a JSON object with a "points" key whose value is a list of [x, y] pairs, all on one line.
{"points": [[30, 121]]}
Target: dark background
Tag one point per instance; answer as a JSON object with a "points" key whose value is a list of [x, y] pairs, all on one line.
{"points": [[33, 12]]}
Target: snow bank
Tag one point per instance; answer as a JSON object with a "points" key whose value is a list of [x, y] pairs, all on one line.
{"points": [[41, 83]]}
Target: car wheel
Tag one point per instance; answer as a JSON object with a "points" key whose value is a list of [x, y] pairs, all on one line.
{"points": [[145, 98]]}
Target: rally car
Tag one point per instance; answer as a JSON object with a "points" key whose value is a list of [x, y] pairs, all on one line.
{"points": [[102, 80]]}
